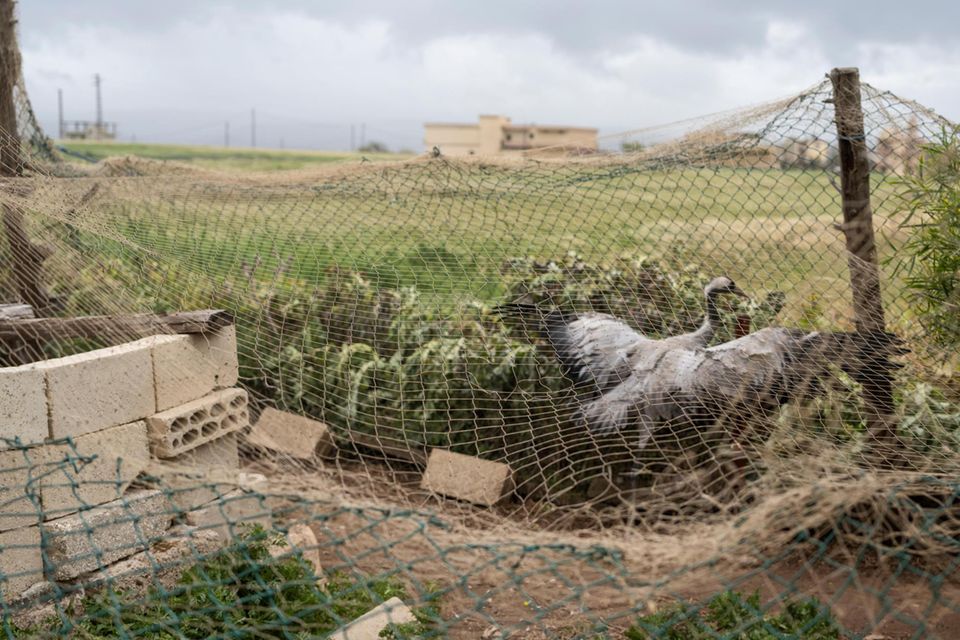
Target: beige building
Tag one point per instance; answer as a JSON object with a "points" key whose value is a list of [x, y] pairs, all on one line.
{"points": [[494, 135]]}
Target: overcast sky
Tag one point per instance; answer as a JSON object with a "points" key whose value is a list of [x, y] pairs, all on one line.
{"points": [[177, 70]]}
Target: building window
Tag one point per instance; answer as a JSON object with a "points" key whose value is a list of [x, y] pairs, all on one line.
{"points": [[509, 137], [531, 136]]}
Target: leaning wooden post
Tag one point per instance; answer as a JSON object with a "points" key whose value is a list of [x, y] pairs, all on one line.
{"points": [[861, 245], [27, 257]]}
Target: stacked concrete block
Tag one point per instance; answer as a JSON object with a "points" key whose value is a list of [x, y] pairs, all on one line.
{"points": [[23, 405], [201, 475], [455, 475], [292, 435], [21, 471], [189, 367], [99, 389], [181, 429], [97, 468], [21, 561], [92, 539], [234, 512]]}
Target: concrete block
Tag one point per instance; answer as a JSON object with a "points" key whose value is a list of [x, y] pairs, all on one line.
{"points": [[467, 478], [98, 468], [290, 434], [369, 625], [21, 471], [301, 539], [200, 475], [232, 514], [92, 539], [21, 561], [23, 405], [188, 367], [176, 431], [99, 389]]}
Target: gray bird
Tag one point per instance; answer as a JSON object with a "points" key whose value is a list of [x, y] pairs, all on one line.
{"points": [[599, 349], [750, 376]]}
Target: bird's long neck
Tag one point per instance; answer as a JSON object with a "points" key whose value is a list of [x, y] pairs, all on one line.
{"points": [[712, 319]]}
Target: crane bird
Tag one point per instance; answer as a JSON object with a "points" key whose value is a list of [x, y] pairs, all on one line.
{"points": [[600, 350], [752, 375]]}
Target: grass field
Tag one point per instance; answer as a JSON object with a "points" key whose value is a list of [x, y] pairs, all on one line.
{"points": [[233, 159], [448, 227]]}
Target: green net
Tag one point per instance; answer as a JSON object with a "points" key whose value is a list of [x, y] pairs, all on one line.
{"points": [[495, 397]]}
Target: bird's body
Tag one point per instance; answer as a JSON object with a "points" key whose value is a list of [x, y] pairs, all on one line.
{"points": [[747, 377], [600, 350]]}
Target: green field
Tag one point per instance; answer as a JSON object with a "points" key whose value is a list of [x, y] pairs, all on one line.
{"points": [[233, 159]]}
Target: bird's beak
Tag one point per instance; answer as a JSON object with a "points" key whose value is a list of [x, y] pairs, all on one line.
{"points": [[738, 291]]}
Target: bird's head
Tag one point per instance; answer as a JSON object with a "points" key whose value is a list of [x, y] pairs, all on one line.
{"points": [[723, 284]]}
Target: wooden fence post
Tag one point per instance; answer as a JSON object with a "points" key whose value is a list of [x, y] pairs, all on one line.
{"points": [[26, 257], [861, 245]]}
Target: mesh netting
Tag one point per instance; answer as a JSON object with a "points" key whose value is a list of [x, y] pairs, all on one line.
{"points": [[686, 455]]}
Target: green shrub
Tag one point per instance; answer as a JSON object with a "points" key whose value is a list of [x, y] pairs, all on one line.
{"points": [[730, 616], [240, 592], [932, 262]]}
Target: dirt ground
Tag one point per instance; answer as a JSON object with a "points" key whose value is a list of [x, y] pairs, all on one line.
{"points": [[500, 580]]}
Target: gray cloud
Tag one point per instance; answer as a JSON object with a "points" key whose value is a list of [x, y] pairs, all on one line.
{"points": [[177, 70]]}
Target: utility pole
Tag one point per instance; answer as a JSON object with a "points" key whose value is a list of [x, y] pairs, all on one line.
{"points": [[363, 133], [353, 144], [253, 128], [60, 113], [96, 82], [226, 133]]}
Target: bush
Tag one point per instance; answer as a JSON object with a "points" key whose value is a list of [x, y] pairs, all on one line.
{"points": [[733, 617], [932, 264]]}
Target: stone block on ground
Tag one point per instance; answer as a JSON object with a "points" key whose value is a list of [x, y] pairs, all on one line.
{"points": [[233, 513], [467, 478], [21, 562], [23, 405], [92, 539], [301, 538], [290, 434], [369, 625], [98, 468], [176, 431], [188, 367], [21, 471], [91, 391]]}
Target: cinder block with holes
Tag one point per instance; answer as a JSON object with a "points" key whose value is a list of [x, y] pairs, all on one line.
{"points": [[96, 469], [181, 429], [23, 405], [21, 561], [104, 388], [187, 367], [467, 478], [92, 539]]}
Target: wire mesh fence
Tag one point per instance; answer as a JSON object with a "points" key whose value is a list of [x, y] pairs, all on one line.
{"points": [[658, 347]]}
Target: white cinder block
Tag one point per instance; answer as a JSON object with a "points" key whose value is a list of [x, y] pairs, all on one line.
{"points": [[23, 405], [99, 389], [200, 475], [178, 430], [96, 469], [188, 367], [290, 434]]}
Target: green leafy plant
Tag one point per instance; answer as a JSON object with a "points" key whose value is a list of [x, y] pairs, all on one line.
{"points": [[731, 616], [239, 592], [932, 252]]}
